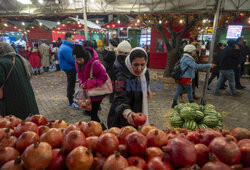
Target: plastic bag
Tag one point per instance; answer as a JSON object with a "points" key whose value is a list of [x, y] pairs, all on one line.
{"points": [[83, 98]]}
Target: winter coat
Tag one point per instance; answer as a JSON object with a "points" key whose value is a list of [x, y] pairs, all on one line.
{"points": [[187, 62], [66, 59], [45, 53], [35, 58], [99, 73], [19, 99], [109, 59], [230, 58], [126, 95]]}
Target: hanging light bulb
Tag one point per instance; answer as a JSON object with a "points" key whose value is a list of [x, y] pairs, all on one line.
{"points": [[149, 20], [97, 21], [204, 21], [23, 23], [160, 22], [118, 21], [6, 25], [40, 1], [40, 23], [181, 21], [70, 1], [138, 20], [58, 23]]}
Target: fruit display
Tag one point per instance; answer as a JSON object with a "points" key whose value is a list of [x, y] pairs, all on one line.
{"points": [[193, 116], [37, 143]]}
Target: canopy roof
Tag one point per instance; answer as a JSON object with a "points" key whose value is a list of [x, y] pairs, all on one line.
{"points": [[66, 7]]}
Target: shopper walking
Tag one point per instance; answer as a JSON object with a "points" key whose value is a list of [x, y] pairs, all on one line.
{"points": [[55, 54], [67, 64], [35, 59], [18, 96], [45, 52]]}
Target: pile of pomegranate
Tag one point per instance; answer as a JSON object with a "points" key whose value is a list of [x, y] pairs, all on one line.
{"points": [[36, 143]]}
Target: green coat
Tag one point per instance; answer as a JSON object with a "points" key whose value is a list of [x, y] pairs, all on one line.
{"points": [[19, 98]]}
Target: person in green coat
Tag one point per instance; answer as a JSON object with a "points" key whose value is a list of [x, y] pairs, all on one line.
{"points": [[18, 96]]}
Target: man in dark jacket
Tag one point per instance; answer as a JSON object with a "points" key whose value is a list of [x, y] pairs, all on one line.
{"points": [[230, 60], [67, 64]]}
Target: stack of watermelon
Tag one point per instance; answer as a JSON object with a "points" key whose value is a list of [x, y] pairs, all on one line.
{"points": [[193, 116]]}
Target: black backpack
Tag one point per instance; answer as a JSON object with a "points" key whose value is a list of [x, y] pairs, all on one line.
{"points": [[177, 72]]}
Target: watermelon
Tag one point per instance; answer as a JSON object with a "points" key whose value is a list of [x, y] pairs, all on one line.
{"points": [[211, 121], [178, 107], [202, 126], [188, 113], [190, 124], [194, 106], [209, 112], [219, 125], [175, 114], [199, 115], [202, 108], [176, 121], [219, 115], [209, 107]]}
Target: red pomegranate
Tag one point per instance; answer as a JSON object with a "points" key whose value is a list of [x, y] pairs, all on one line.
{"points": [[13, 164], [152, 152], [157, 138], [107, 143], [181, 152], [157, 164], [240, 133], [70, 128], [136, 161], [26, 139], [81, 125], [208, 136], [7, 154], [202, 154], [98, 163], [193, 137], [216, 165], [132, 168], [243, 141], [73, 139], [139, 119], [91, 143], [115, 162], [146, 128], [123, 150], [37, 156], [245, 154], [136, 143], [5, 123], [193, 167], [58, 160], [4, 131], [37, 119], [54, 137], [115, 130], [8, 140], [60, 124], [14, 120], [79, 158], [124, 132], [92, 128], [42, 129], [24, 127], [225, 150], [232, 137]]}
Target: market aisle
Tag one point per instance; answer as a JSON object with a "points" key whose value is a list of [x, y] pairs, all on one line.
{"points": [[50, 90]]}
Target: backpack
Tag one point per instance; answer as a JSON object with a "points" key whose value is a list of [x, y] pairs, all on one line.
{"points": [[177, 72]]}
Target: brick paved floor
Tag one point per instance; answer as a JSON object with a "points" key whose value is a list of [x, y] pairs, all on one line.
{"points": [[50, 91]]}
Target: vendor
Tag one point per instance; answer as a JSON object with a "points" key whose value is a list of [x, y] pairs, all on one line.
{"points": [[132, 91]]}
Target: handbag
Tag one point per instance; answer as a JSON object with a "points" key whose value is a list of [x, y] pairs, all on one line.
{"points": [[1, 89], [101, 90]]}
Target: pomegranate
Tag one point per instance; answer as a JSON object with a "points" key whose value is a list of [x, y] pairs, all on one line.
{"points": [[115, 130], [24, 127], [42, 129], [226, 150], [73, 139], [245, 154], [216, 165], [70, 128], [156, 163], [26, 139], [5, 123], [181, 149], [58, 160], [202, 154], [157, 138], [92, 128], [193, 137], [81, 125], [115, 162], [14, 120], [132, 168], [146, 128], [91, 143], [8, 140], [243, 141], [136, 143], [208, 136], [7, 154], [79, 158], [232, 137], [136, 161], [4, 131], [240, 133], [194, 167], [124, 132], [107, 143], [13, 164], [152, 152], [54, 137], [98, 163], [139, 119], [37, 156], [237, 167], [123, 150], [60, 124], [37, 119]]}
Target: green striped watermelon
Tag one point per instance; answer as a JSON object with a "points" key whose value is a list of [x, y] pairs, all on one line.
{"points": [[209, 106], [219, 125], [179, 107], [211, 120], [190, 124], [175, 113], [176, 121], [208, 112], [202, 108], [188, 113], [199, 115], [220, 117], [202, 126], [195, 106]]}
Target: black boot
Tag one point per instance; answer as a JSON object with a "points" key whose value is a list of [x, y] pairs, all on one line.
{"points": [[174, 103]]}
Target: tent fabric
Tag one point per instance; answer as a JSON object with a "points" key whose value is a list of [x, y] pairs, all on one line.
{"points": [[89, 23], [48, 24]]}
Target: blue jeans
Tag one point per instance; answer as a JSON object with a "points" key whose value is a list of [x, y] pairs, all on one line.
{"points": [[223, 77], [180, 89]]}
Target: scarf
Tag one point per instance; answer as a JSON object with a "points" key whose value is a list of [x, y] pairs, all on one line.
{"points": [[188, 55], [143, 82]]}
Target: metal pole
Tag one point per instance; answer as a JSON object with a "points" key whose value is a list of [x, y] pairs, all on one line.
{"points": [[211, 51], [85, 19]]}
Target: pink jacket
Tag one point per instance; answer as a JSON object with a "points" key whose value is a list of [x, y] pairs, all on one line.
{"points": [[99, 74]]}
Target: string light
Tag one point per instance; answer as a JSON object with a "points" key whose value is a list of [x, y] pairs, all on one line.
{"points": [[118, 21], [204, 21], [58, 23], [6, 25], [40, 23], [97, 21], [181, 21], [70, 1], [160, 22], [138, 20]]}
